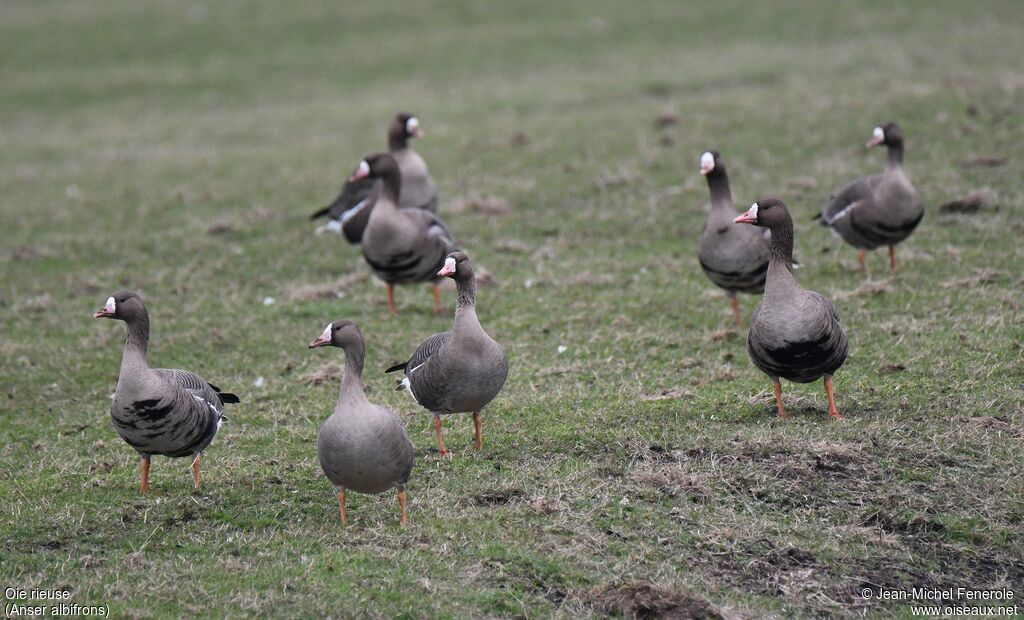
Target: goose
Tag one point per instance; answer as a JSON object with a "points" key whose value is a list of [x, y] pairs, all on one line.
{"points": [[735, 258], [362, 446], [174, 413], [350, 211], [457, 371], [881, 209], [795, 334], [401, 245]]}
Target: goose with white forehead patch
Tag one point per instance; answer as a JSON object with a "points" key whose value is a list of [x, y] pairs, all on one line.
{"points": [[795, 334], [877, 210], [350, 211], [457, 371], [173, 413], [735, 258], [362, 446], [402, 246]]}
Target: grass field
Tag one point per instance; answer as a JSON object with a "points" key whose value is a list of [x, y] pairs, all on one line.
{"points": [[177, 148]]}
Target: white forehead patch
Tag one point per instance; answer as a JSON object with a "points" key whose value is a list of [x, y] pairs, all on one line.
{"points": [[111, 305], [364, 168], [327, 332], [753, 210], [707, 161], [449, 263], [412, 124], [878, 133]]}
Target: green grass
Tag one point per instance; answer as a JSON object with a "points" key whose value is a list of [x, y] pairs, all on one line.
{"points": [[133, 132]]}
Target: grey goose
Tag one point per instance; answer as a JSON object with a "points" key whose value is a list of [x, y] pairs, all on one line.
{"points": [[735, 258], [170, 412], [362, 447], [795, 334], [402, 246], [350, 211], [461, 370], [881, 209]]}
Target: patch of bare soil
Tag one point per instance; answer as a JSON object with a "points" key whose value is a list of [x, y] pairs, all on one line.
{"points": [[497, 497], [327, 290], [643, 599], [26, 252], [971, 203], [866, 289], [328, 372], [669, 394], [488, 205]]}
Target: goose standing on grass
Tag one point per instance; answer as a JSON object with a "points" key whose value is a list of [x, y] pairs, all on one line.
{"points": [[735, 258], [461, 370], [403, 246], [350, 211], [362, 447], [882, 209], [174, 413], [795, 334]]}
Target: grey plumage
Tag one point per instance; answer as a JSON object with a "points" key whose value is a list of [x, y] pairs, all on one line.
{"points": [[402, 245], [362, 446], [461, 370], [163, 411], [735, 258], [349, 213], [795, 334], [877, 210]]}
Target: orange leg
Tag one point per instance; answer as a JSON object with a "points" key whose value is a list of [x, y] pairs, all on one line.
{"points": [[832, 411], [401, 503], [892, 257], [437, 300], [145, 475], [478, 426], [863, 266], [777, 385], [341, 506], [736, 311], [195, 471], [392, 310], [440, 439]]}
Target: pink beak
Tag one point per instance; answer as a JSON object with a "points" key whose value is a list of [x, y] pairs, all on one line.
{"points": [[106, 311], [446, 271], [418, 133], [705, 170], [874, 142], [750, 217], [358, 175], [320, 342]]}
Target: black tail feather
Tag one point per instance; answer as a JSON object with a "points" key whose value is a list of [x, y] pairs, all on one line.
{"points": [[321, 212], [397, 367], [228, 397]]}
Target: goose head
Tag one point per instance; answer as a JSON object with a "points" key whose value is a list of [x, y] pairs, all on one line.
{"points": [[123, 306], [457, 267], [711, 163], [342, 333], [403, 127], [768, 213], [377, 166], [888, 134]]}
